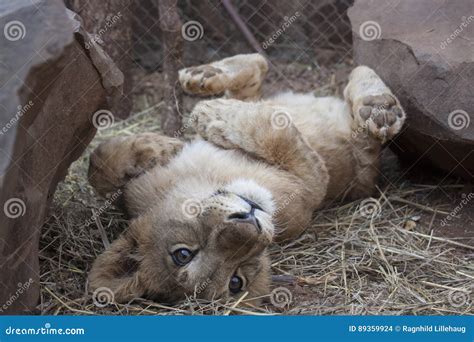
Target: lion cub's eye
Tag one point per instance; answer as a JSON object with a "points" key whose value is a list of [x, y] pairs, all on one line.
{"points": [[236, 283], [182, 256]]}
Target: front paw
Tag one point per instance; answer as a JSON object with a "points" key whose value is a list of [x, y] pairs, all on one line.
{"points": [[381, 114], [210, 125], [203, 80], [216, 132]]}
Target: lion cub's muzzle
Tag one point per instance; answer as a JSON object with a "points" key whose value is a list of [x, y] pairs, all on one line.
{"points": [[239, 221]]}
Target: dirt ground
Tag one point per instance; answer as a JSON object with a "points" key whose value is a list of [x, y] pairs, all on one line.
{"points": [[403, 257]]}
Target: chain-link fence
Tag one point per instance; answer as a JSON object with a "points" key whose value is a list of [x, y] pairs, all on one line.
{"points": [[308, 42], [302, 31]]}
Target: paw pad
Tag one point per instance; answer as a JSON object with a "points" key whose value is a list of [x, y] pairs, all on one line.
{"points": [[204, 79], [383, 115], [205, 70]]}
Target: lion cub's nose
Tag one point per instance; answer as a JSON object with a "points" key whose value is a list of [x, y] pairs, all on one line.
{"points": [[246, 217], [242, 216]]}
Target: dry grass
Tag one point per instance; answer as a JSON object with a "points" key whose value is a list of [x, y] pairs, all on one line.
{"points": [[394, 262]]}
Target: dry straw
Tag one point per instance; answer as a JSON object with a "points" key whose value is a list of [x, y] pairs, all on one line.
{"points": [[345, 263]]}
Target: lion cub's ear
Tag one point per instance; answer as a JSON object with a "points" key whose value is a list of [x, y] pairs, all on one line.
{"points": [[118, 267]]}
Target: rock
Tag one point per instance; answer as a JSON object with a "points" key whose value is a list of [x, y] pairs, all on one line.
{"points": [[109, 24], [50, 88], [424, 51]]}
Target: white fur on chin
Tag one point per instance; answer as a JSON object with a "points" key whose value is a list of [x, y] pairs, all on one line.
{"points": [[250, 189]]}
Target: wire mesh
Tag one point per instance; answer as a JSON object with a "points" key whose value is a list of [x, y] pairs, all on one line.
{"points": [[301, 31]]}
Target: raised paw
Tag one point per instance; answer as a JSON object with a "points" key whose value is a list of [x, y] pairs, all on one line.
{"points": [[203, 80], [212, 122], [239, 77], [382, 115]]}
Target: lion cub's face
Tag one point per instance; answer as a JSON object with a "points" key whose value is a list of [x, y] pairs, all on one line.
{"points": [[210, 246]]}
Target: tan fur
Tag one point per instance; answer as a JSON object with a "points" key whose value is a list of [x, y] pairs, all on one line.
{"points": [[289, 154]]}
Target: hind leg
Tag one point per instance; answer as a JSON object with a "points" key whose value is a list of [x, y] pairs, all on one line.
{"points": [[117, 161], [239, 77], [377, 117]]}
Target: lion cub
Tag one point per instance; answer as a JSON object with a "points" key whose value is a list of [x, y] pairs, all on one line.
{"points": [[205, 211]]}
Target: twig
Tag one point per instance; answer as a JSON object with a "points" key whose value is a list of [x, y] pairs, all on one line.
{"points": [[417, 205], [101, 229], [243, 27], [437, 238], [236, 303], [63, 303]]}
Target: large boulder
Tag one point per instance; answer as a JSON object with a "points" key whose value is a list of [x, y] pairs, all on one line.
{"points": [[50, 88], [424, 51]]}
